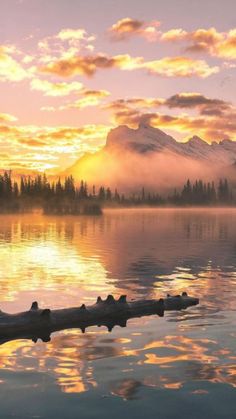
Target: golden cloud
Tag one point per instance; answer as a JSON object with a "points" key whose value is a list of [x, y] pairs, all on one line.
{"points": [[87, 98], [80, 65], [67, 34], [215, 119], [65, 44], [212, 128], [180, 67], [88, 65], [227, 48], [217, 44], [63, 144], [90, 98], [127, 27], [165, 67], [174, 35], [123, 105], [6, 117], [10, 69], [55, 89]]}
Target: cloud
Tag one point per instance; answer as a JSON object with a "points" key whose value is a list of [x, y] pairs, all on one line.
{"points": [[68, 34], [28, 59], [63, 143], [10, 69], [48, 109], [90, 98], [48, 136], [216, 44], [180, 67], [174, 35], [165, 67], [189, 100], [88, 65], [136, 102], [211, 128], [55, 89], [65, 44], [204, 105], [193, 100], [127, 27], [6, 117], [80, 65], [227, 48], [215, 119], [87, 98]]}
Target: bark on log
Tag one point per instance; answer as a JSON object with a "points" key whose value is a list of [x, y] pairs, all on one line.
{"points": [[40, 323]]}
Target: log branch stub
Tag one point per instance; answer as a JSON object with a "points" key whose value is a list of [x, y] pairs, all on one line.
{"points": [[110, 299], [109, 328], [122, 299], [34, 306], [46, 313]]}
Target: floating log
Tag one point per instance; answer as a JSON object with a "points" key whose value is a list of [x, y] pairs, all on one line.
{"points": [[40, 323]]}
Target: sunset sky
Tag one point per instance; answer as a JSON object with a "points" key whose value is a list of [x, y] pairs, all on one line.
{"points": [[70, 70]]}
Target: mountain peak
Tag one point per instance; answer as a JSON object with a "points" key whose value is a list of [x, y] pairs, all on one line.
{"points": [[143, 139], [143, 124], [195, 140], [151, 147], [117, 137]]}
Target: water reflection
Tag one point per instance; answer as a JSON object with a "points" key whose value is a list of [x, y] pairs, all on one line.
{"points": [[138, 252], [63, 261], [177, 360]]}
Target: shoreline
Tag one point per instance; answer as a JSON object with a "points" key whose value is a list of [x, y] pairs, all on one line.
{"points": [[36, 213]]}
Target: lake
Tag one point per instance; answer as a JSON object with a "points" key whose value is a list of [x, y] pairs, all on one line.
{"points": [[182, 365]]}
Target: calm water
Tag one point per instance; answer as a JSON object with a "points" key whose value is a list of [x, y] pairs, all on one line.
{"points": [[179, 366]]}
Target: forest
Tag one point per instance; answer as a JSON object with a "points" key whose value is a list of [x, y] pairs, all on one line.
{"points": [[66, 197]]}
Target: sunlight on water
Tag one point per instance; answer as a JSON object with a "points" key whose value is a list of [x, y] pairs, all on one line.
{"points": [[63, 262]]}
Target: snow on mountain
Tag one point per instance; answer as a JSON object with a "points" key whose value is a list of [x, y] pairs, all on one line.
{"points": [[142, 140], [146, 139], [148, 156]]}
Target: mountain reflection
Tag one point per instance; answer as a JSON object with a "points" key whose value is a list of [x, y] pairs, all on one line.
{"points": [[141, 253], [135, 251]]}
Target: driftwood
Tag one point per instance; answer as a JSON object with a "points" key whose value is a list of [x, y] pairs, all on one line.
{"points": [[40, 323]]}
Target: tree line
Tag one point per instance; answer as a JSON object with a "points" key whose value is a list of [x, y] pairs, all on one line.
{"points": [[66, 197], [200, 193]]}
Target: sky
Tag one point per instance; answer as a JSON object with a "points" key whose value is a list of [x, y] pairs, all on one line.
{"points": [[71, 70]]}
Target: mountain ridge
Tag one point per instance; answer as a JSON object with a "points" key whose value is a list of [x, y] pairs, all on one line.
{"points": [[195, 147], [148, 156]]}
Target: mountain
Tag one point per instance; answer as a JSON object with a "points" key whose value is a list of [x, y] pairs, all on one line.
{"points": [[142, 140], [148, 139], [148, 156]]}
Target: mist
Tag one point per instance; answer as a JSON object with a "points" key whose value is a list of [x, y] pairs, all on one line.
{"points": [[129, 172]]}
